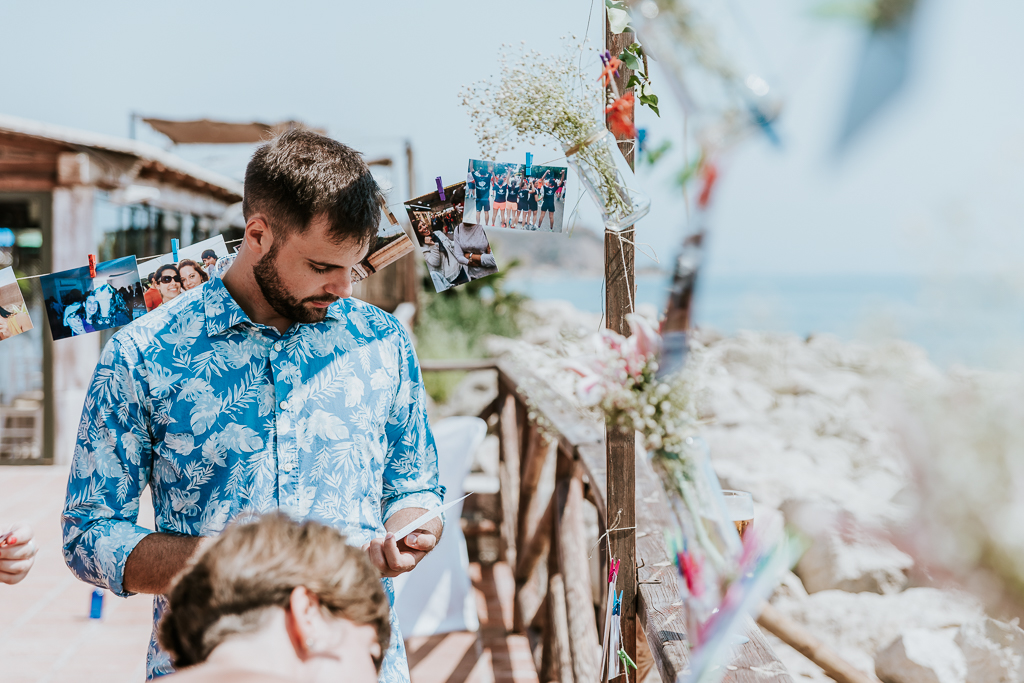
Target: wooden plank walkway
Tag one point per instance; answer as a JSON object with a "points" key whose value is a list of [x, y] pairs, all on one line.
{"points": [[46, 635]]}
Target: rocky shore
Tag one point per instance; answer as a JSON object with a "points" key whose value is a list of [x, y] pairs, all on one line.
{"points": [[802, 424]]}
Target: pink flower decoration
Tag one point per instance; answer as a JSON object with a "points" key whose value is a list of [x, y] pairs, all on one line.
{"points": [[648, 341]]}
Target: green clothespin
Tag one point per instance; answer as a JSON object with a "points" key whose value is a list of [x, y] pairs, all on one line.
{"points": [[626, 661]]}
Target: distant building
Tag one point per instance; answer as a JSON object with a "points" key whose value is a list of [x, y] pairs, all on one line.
{"points": [[66, 194]]}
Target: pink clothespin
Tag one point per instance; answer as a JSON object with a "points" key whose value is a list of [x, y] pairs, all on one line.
{"points": [[613, 570], [92, 265], [440, 187]]}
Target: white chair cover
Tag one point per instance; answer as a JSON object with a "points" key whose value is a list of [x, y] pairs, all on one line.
{"points": [[437, 596]]}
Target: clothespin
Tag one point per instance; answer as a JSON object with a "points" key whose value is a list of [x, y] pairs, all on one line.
{"points": [[617, 605], [624, 658], [174, 250], [613, 570], [440, 187], [92, 265], [529, 162], [641, 135]]}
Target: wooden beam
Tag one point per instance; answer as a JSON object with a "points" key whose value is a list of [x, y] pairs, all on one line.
{"points": [[557, 650], [508, 473], [452, 365], [620, 293], [572, 559]]}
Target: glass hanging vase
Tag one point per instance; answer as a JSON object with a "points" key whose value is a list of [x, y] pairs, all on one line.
{"points": [[608, 178]]}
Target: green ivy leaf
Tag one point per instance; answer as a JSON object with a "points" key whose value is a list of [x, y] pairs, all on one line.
{"points": [[631, 61]]}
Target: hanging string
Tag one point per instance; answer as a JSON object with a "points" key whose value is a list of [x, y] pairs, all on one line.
{"points": [[137, 260]]}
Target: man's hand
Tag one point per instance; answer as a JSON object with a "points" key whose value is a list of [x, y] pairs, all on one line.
{"points": [[17, 553], [393, 556]]}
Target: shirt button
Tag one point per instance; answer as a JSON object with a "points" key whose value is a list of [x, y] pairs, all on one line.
{"points": [[284, 405], [277, 346], [286, 467]]}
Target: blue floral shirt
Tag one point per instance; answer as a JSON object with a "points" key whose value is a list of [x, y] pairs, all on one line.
{"points": [[219, 415]]}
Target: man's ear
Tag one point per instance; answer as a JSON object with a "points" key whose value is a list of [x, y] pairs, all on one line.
{"points": [[258, 237]]}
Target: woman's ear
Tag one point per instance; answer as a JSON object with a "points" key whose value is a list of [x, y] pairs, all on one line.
{"points": [[302, 620]]}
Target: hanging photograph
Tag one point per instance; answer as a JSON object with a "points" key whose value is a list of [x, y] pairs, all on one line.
{"points": [[78, 304], [164, 279], [456, 252], [392, 244], [14, 317], [504, 195]]}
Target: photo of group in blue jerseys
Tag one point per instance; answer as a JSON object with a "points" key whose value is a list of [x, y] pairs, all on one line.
{"points": [[515, 196]]}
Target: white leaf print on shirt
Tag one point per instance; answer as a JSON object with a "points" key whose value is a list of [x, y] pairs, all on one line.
{"points": [[240, 439], [185, 503], [161, 379], [327, 426], [132, 446], [204, 412], [182, 444], [183, 331]]}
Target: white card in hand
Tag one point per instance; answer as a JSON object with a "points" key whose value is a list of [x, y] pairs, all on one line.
{"points": [[426, 517]]}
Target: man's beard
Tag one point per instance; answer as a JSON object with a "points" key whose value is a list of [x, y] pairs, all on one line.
{"points": [[269, 280]]}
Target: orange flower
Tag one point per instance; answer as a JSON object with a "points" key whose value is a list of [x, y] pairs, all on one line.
{"points": [[620, 116], [710, 173], [610, 67]]}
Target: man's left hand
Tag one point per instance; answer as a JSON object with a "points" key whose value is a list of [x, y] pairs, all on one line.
{"points": [[392, 556]]}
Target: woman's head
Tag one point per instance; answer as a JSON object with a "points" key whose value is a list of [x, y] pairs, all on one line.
{"points": [[191, 273], [331, 597], [92, 306], [168, 281]]}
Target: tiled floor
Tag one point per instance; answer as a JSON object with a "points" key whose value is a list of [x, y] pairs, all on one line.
{"points": [[46, 635]]}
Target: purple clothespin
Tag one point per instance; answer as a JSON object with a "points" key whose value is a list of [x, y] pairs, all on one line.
{"points": [[440, 187], [174, 250]]}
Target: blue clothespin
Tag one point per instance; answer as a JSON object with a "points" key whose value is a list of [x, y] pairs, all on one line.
{"points": [[174, 250], [440, 187], [529, 162], [765, 124], [641, 135], [617, 604]]}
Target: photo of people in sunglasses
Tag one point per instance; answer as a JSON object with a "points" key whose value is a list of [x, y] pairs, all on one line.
{"points": [[167, 279]]}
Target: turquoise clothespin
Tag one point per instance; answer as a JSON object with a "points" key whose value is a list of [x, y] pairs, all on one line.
{"points": [[616, 603], [174, 250], [529, 163]]}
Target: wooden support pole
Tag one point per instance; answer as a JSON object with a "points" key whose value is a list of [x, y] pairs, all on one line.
{"points": [[620, 292], [572, 559]]}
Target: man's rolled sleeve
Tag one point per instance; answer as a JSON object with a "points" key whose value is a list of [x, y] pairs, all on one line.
{"points": [[110, 469], [410, 466]]}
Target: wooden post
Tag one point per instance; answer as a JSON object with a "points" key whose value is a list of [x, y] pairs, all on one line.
{"points": [[620, 292]]}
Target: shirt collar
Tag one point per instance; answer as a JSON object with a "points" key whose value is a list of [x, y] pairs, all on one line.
{"points": [[224, 313]]}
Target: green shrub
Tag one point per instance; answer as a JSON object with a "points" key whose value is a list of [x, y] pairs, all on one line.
{"points": [[452, 325]]}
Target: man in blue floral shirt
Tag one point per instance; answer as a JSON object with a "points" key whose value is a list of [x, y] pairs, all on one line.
{"points": [[267, 389]]}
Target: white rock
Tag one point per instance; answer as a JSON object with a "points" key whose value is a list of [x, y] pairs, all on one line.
{"points": [[854, 561], [922, 656], [994, 651], [859, 625]]}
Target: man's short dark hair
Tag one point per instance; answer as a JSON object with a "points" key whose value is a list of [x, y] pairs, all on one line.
{"points": [[300, 175], [209, 253]]}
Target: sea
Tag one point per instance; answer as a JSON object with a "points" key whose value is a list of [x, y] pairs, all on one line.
{"points": [[975, 321]]}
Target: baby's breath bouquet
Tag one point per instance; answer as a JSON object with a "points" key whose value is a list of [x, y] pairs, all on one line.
{"points": [[621, 378], [540, 96]]}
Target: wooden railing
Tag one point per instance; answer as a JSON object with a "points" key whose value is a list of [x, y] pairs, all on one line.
{"points": [[552, 475]]}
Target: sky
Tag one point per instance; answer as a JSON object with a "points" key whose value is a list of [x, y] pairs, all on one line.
{"points": [[932, 185]]}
